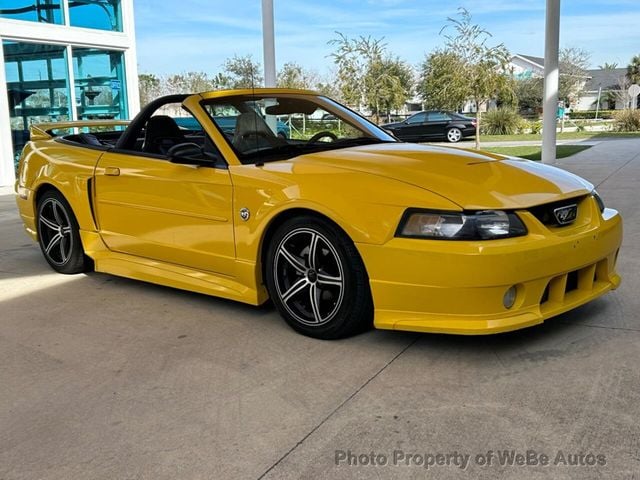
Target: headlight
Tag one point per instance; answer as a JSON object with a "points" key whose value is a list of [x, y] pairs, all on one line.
{"points": [[483, 225], [598, 200]]}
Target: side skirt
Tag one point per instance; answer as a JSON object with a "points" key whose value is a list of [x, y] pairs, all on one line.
{"points": [[168, 274]]}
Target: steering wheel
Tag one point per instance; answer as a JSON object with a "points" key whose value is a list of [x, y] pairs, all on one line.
{"points": [[323, 134]]}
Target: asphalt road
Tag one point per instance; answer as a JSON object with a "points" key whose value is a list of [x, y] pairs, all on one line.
{"points": [[107, 378]]}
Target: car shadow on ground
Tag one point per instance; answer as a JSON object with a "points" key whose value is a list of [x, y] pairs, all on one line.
{"points": [[174, 302]]}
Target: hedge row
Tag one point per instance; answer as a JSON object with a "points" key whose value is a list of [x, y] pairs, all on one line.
{"points": [[590, 114]]}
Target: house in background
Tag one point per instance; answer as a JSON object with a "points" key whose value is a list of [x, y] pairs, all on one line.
{"points": [[609, 82], [606, 81], [526, 66]]}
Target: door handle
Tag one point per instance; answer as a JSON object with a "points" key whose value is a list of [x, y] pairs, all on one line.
{"points": [[112, 171]]}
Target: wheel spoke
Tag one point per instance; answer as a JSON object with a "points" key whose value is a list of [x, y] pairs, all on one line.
{"points": [[63, 247], [315, 303], [66, 230], [295, 263], [324, 279], [295, 288], [52, 243], [313, 247], [49, 224], [56, 213]]}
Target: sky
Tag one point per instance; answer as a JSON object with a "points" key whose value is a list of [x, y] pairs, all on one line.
{"points": [[175, 36]]}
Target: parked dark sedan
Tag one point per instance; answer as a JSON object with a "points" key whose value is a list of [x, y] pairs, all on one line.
{"points": [[433, 124]]}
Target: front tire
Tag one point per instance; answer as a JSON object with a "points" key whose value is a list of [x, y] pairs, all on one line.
{"points": [[454, 135], [59, 235], [316, 279]]}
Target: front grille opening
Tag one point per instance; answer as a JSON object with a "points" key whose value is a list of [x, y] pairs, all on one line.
{"points": [[545, 213], [572, 281], [545, 295]]}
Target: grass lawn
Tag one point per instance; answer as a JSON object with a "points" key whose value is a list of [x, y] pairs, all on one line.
{"points": [[534, 153], [561, 136]]}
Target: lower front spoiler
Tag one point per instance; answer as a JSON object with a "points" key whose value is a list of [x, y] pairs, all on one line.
{"points": [[488, 324]]}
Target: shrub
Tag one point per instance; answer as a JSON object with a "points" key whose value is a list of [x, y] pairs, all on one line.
{"points": [[535, 127], [590, 114], [501, 121], [627, 121]]}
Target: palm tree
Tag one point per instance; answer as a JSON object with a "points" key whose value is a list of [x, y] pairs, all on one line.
{"points": [[633, 74], [633, 70], [608, 66]]}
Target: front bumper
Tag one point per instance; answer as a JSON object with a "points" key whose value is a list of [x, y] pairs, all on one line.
{"points": [[458, 287]]}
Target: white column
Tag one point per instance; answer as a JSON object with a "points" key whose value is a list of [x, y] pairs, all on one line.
{"points": [[71, 77], [65, 12], [130, 59], [7, 171], [551, 76], [268, 43]]}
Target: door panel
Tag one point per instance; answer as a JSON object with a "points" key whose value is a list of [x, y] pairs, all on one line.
{"points": [[414, 128], [437, 123], [156, 209]]}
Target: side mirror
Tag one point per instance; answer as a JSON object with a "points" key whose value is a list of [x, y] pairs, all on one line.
{"points": [[188, 154]]}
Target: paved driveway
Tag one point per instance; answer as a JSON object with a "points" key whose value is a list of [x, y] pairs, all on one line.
{"points": [[107, 378]]}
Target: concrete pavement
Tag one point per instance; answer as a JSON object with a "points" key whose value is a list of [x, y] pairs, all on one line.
{"points": [[107, 378]]}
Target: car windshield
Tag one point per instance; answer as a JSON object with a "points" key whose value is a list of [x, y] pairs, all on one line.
{"points": [[269, 128]]}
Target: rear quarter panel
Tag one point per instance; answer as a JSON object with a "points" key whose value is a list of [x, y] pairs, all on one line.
{"points": [[67, 168]]}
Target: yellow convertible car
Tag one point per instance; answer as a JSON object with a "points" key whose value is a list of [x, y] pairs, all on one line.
{"points": [[337, 222]]}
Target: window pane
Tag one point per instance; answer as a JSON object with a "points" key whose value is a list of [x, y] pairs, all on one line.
{"points": [[99, 84], [45, 11], [37, 85], [418, 118], [438, 117], [100, 14]]}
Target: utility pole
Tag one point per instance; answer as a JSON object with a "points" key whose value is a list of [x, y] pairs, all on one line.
{"points": [[551, 80]]}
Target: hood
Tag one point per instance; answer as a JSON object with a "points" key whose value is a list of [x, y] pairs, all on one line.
{"points": [[472, 180]]}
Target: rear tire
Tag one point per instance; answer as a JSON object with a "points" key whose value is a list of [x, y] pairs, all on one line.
{"points": [[316, 279], [454, 135], [59, 235]]}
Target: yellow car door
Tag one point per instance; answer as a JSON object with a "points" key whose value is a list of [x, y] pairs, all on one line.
{"points": [[175, 213]]}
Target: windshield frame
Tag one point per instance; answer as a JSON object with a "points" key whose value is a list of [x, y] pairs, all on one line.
{"points": [[372, 133]]}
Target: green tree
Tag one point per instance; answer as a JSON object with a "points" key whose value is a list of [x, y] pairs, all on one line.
{"points": [[367, 75], [440, 85], [188, 82], [608, 66], [293, 75], [149, 87], [573, 65], [241, 72], [483, 67], [633, 70], [388, 85], [529, 92], [353, 58], [328, 88], [633, 74]]}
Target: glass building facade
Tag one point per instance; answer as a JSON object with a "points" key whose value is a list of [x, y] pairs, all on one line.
{"points": [[45, 11], [83, 77], [99, 14]]}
